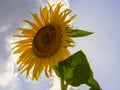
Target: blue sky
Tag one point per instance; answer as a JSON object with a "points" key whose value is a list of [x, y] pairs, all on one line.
{"points": [[102, 48]]}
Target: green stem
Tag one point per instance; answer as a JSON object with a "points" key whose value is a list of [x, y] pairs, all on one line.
{"points": [[63, 85], [66, 85]]}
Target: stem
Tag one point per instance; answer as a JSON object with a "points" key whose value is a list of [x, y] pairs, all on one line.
{"points": [[62, 83], [66, 85], [63, 86]]}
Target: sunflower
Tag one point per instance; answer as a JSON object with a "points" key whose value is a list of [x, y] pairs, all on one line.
{"points": [[45, 44]]}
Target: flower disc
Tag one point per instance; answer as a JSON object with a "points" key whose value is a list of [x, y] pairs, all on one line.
{"points": [[47, 41]]}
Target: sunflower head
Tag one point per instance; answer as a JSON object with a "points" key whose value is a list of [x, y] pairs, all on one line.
{"points": [[45, 44]]}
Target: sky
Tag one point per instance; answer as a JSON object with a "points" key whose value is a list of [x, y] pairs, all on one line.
{"points": [[102, 48]]}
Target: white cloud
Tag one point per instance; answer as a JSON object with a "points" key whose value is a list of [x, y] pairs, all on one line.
{"points": [[55, 83], [65, 2], [5, 28], [8, 75]]}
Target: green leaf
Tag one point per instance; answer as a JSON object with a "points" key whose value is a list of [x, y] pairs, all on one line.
{"points": [[75, 70], [80, 33], [93, 83]]}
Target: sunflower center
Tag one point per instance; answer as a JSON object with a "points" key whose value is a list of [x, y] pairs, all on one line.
{"points": [[47, 41]]}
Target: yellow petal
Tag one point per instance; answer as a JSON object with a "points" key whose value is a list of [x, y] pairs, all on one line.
{"points": [[37, 19], [63, 17], [34, 26], [70, 19], [22, 36], [22, 41], [44, 15], [20, 50], [56, 11]]}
